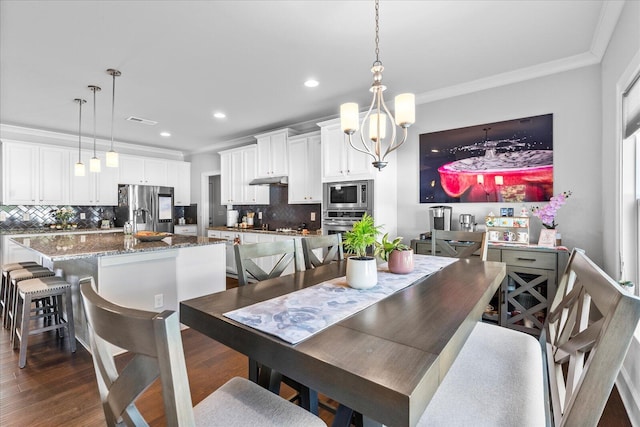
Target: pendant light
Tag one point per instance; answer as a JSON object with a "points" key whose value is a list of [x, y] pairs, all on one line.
{"points": [[79, 168], [405, 114], [94, 163], [112, 156]]}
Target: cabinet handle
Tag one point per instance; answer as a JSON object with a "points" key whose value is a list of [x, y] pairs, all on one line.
{"points": [[526, 259]]}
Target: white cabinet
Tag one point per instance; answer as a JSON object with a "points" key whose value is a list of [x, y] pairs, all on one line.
{"points": [[186, 230], [305, 175], [339, 160], [272, 153], [93, 189], [179, 177], [237, 169], [140, 170], [34, 174]]}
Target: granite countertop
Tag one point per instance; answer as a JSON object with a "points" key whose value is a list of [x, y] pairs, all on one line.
{"points": [[48, 230], [62, 247], [259, 230]]}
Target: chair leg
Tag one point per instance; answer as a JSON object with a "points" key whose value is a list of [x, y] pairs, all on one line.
{"points": [[23, 334], [71, 331]]}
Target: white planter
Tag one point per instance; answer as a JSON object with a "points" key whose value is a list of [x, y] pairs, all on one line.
{"points": [[362, 273]]}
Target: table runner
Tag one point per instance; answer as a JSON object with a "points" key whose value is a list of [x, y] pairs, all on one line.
{"points": [[296, 316]]}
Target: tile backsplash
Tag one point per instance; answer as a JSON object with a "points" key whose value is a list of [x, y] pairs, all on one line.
{"points": [[28, 217]]}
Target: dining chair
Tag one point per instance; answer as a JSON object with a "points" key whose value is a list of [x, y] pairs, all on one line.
{"points": [[247, 256], [332, 244], [441, 243], [504, 377], [155, 341]]}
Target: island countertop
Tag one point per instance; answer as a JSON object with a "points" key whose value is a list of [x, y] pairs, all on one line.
{"points": [[76, 246]]}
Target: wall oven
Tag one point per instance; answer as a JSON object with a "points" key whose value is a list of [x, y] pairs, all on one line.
{"points": [[334, 222], [348, 195]]}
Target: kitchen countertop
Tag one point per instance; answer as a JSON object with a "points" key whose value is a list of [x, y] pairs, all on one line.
{"points": [[48, 230], [259, 230], [62, 247]]}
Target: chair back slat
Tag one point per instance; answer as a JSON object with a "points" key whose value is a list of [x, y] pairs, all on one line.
{"points": [[246, 254], [588, 332], [440, 239], [332, 244], [155, 341]]}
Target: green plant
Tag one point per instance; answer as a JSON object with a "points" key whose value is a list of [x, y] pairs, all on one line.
{"points": [[362, 235], [385, 247]]}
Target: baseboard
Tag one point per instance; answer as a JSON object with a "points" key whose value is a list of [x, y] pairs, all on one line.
{"points": [[630, 396]]}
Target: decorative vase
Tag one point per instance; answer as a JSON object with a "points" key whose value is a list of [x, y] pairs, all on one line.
{"points": [[362, 273], [401, 262]]}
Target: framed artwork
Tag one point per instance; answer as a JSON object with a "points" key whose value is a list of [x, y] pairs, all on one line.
{"points": [[509, 161], [547, 238]]}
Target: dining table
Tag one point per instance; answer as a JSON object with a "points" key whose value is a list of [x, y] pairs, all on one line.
{"points": [[384, 361]]}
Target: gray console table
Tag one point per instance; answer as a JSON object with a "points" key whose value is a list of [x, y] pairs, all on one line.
{"points": [[525, 294]]}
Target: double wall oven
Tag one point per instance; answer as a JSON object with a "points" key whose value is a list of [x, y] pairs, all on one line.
{"points": [[345, 203]]}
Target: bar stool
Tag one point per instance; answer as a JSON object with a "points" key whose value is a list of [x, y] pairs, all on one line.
{"points": [[6, 268], [13, 279], [61, 312]]}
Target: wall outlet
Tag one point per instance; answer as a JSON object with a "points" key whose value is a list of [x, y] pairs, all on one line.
{"points": [[3, 216], [26, 216], [313, 216], [83, 215], [260, 215], [158, 301]]}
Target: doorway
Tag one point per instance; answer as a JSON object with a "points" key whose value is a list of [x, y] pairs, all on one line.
{"points": [[217, 211]]}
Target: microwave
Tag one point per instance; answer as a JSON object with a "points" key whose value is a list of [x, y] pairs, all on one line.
{"points": [[348, 195]]}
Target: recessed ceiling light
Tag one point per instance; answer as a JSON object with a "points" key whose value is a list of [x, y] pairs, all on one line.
{"points": [[311, 83], [165, 134], [219, 115]]}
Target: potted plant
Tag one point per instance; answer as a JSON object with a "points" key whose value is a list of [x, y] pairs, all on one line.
{"points": [[398, 255], [362, 271]]}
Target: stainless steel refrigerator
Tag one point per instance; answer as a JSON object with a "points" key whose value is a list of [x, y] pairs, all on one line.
{"points": [[146, 207]]}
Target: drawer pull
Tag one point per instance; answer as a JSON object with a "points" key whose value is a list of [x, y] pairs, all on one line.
{"points": [[527, 259]]}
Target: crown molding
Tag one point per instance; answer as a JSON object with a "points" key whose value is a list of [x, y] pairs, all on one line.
{"points": [[26, 134], [609, 15]]}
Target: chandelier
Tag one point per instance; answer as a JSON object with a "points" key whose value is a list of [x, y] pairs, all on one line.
{"points": [[378, 114]]}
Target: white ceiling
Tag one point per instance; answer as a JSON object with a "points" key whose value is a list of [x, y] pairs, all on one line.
{"points": [[183, 60]]}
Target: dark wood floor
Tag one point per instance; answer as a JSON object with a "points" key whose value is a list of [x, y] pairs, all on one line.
{"points": [[59, 388]]}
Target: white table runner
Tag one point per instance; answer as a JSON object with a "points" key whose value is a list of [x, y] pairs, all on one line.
{"points": [[296, 316]]}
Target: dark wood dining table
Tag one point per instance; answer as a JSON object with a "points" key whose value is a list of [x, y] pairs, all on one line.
{"points": [[385, 361]]}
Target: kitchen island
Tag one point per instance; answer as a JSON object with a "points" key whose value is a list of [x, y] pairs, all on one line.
{"points": [[153, 276]]}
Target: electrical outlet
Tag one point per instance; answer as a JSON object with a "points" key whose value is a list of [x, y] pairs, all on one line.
{"points": [[3, 216], [26, 216], [83, 215], [260, 215], [313, 216], [158, 301]]}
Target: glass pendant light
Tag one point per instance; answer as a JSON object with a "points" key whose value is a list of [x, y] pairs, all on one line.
{"points": [[112, 156], [94, 163], [79, 167]]}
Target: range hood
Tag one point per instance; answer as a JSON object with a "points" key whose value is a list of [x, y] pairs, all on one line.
{"points": [[272, 180]]}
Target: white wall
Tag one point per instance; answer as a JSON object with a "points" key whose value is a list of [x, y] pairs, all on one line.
{"points": [[622, 56], [574, 99], [200, 163]]}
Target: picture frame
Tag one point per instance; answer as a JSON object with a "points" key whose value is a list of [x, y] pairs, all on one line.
{"points": [[547, 238]]}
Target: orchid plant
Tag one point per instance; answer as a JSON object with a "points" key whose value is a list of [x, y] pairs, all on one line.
{"points": [[547, 213]]}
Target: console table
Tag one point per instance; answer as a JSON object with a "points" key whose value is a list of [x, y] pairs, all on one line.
{"points": [[527, 291]]}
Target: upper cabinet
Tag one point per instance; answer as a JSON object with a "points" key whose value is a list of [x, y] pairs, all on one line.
{"points": [[93, 189], [340, 162], [237, 169], [141, 170], [305, 175], [272, 153], [179, 177], [34, 174]]}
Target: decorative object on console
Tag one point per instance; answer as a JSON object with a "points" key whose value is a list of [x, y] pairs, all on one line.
{"points": [[509, 161], [404, 109], [112, 156], [362, 271], [79, 167], [94, 163]]}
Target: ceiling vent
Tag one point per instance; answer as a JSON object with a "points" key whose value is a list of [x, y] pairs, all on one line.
{"points": [[142, 121]]}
